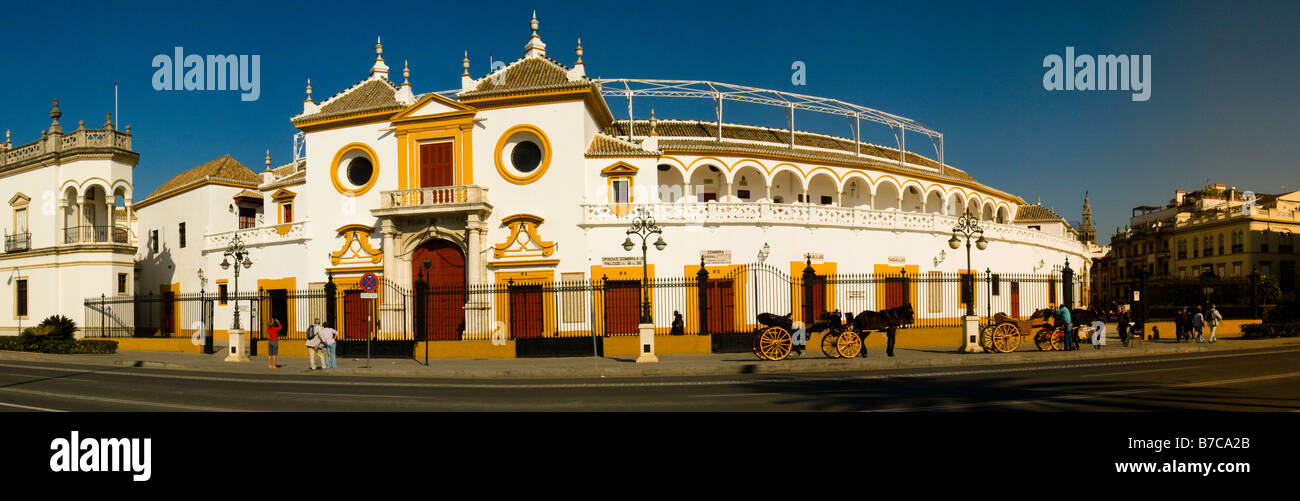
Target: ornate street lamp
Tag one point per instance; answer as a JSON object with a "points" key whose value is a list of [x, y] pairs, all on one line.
{"points": [[643, 226], [967, 227], [237, 252]]}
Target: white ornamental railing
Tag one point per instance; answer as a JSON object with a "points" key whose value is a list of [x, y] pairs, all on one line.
{"points": [[433, 197], [769, 214], [261, 235]]}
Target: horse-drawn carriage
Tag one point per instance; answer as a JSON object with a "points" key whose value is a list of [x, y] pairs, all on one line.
{"points": [[1005, 334], [774, 340]]}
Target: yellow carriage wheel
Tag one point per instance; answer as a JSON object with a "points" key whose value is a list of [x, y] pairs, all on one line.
{"points": [[774, 343], [849, 344], [1058, 340], [758, 336], [986, 338], [1006, 338], [829, 341]]}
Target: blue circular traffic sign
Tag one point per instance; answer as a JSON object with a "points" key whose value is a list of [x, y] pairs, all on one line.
{"points": [[369, 282]]}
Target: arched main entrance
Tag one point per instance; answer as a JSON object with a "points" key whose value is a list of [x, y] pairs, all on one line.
{"points": [[442, 265]]}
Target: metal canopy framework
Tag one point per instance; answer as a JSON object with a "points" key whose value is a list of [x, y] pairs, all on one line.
{"points": [[718, 92]]}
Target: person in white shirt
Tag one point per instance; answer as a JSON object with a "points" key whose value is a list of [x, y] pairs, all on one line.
{"points": [[328, 338], [1215, 319], [314, 345]]}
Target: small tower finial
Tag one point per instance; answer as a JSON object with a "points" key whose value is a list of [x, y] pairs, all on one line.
{"points": [[308, 88], [464, 63], [268, 159], [54, 118], [108, 121], [535, 47], [578, 50], [406, 73], [534, 23], [379, 68], [653, 123]]}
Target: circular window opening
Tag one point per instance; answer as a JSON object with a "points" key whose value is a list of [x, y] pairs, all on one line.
{"points": [[526, 156], [359, 171]]}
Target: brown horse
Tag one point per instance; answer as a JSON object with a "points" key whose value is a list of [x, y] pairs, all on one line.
{"points": [[885, 320]]}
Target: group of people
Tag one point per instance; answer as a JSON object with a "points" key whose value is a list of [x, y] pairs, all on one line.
{"points": [[1187, 321], [321, 341], [1098, 328]]}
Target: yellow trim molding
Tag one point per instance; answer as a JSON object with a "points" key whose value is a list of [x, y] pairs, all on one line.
{"points": [[529, 246], [506, 172], [334, 169], [523, 263], [356, 247]]}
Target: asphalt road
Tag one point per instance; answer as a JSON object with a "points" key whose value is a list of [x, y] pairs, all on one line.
{"points": [[1257, 380]]}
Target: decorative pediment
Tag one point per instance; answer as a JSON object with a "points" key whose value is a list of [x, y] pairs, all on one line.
{"points": [[523, 241], [356, 247], [19, 200], [282, 195], [621, 168], [431, 105]]}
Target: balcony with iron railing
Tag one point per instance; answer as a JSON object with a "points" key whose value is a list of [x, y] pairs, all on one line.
{"points": [[18, 242], [95, 234], [440, 200]]}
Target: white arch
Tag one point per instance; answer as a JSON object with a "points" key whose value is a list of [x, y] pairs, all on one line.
{"points": [[887, 195]]}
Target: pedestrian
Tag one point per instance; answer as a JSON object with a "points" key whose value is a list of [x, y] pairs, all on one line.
{"points": [[1179, 324], [1215, 319], [273, 341], [1198, 323], [1122, 321], [1071, 343], [1098, 333], [314, 348], [329, 338], [679, 326]]}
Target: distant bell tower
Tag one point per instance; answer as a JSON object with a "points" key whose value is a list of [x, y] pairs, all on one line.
{"points": [[1087, 232]]}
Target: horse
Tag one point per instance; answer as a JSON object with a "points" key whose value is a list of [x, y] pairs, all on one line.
{"points": [[885, 320]]}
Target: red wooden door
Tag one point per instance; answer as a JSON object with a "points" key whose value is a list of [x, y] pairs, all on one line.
{"points": [[355, 315], [436, 169], [444, 310], [168, 312], [813, 312], [622, 306], [722, 306], [1015, 299], [526, 320], [895, 292]]}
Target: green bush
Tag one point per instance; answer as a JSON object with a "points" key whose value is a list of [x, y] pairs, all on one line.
{"points": [[61, 327], [1286, 312], [1269, 330], [95, 347]]}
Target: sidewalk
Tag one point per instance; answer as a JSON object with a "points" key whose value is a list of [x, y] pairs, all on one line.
{"points": [[668, 365]]}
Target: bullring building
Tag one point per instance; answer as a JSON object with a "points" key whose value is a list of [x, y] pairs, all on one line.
{"points": [[525, 174]]}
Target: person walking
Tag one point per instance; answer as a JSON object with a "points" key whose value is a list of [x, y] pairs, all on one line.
{"points": [[1122, 321], [1215, 319], [1198, 323], [1180, 319], [329, 338], [273, 341], [1070, 342], [314, 348]]}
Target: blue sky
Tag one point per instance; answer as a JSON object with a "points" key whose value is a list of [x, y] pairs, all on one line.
{"points": [[1222, 108]]}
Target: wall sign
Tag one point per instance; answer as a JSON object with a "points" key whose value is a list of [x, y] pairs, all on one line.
{"points": [[716, 257], [620, 261]]}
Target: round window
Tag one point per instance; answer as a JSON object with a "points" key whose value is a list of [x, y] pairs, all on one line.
{"points": [[359, 171], [526, 156]]}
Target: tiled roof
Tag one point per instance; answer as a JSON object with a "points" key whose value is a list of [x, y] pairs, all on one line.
{"points": [[1036, 212], [526, 74], [605, 145], [223, 168], [248, 194], [368, 96], [683, 128]]}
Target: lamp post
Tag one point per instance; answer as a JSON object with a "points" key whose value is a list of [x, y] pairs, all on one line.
{"points": [[239, 254], [967, 227], [643, 226]]}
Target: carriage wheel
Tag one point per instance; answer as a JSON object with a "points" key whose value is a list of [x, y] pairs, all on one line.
{"points": [[774, 343], [758, 336], [1006, 338], [848, 345], [829, 341], [986, 338], [1042, 340]]}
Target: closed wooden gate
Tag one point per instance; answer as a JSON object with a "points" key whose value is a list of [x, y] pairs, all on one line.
{"points": [[526, 312], [622, 306], [722, 306]]}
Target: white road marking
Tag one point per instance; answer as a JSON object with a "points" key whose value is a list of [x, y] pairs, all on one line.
{"points": [[325, 381], [28, 407], [1090, 396], [348, 395], [118, 400]]}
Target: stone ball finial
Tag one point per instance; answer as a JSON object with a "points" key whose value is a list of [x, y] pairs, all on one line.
{"points": [[578, 51], [268, 159], [55, 113], [81, 124], [108, 120], [464, 63], [534, 22], [406, 71], [308, 88], [379, 47]]}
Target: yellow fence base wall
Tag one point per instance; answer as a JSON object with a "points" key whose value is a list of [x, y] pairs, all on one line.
{"points": [[630, 346], [172, 345], [465, 349]]}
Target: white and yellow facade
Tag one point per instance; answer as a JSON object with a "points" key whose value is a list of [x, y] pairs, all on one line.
{"points": [[525, 174]]}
